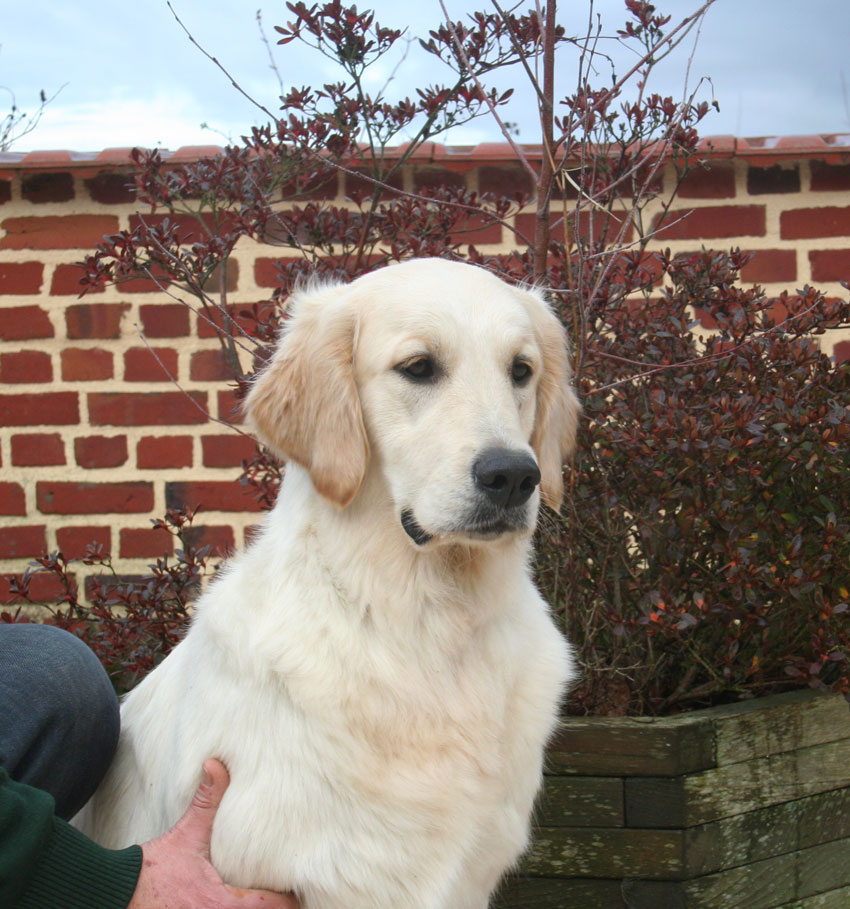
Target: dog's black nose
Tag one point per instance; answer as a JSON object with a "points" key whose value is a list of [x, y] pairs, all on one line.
{"points": [[507, 478]]}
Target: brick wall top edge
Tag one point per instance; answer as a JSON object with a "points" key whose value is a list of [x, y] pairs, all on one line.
{"points": [[833, 146]]}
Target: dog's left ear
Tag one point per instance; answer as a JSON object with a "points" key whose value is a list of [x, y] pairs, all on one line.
{"points": [[556, 419], [304, 404]]}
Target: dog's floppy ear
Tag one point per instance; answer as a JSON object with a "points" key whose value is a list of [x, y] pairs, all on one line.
{"points": [[304, 404], [556, 419]]}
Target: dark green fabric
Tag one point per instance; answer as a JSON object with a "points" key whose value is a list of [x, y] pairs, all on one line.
{"points": [[47, 864]]}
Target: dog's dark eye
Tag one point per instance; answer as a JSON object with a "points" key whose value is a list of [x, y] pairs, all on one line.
{"points": [[520, 372], [420, 369]]}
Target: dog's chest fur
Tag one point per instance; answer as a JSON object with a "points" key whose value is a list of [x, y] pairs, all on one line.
{"points": [[410, 755]]}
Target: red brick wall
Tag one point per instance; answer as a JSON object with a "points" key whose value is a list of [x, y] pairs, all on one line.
{"points": [[96, 440]]}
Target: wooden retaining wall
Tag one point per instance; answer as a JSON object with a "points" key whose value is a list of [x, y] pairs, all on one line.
{"points": [[740, 806]]}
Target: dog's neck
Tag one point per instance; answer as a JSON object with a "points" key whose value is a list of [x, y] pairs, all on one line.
{"points": [[368, 533]]}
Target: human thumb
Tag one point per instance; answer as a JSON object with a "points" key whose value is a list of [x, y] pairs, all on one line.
{"points": [[197, 823]]}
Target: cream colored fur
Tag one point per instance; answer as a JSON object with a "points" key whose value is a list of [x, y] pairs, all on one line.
{"points": [[382, 704]]}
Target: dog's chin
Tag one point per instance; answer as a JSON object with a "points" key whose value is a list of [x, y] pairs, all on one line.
{"points": [[474, 532]]}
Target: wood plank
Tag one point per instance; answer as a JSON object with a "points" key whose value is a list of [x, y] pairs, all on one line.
{"points": [[796, 719], [776, 881], [558, 893], [700, 798], [655, 802], [654, 895], [588, 801], [833, 899], [768, 832], [615, 852], [689, 742], [631, 746]]}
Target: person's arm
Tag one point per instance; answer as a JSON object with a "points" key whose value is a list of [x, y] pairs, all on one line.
{"points": [[44, 862]]}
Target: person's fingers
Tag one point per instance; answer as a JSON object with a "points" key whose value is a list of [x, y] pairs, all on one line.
{"points": [[263, 899], [197, 823]]}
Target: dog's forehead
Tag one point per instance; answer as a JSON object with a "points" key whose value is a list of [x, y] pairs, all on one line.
{"points": [[435, 298]]}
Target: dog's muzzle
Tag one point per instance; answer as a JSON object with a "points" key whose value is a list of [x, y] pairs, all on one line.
{"points": [[504, 481], [507, 478]]}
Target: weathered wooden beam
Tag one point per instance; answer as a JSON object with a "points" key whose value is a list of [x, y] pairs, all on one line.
{"points": [[558, 893], [630, 747], [669, 746], [770, 883], [595, 801], [612, 852], [785, 722], [733, 789]]}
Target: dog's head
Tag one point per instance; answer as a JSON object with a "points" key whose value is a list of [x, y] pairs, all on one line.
{"points": [[451, 384]]}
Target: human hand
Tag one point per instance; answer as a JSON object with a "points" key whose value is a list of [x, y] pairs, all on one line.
{"points": [[176, 870]]}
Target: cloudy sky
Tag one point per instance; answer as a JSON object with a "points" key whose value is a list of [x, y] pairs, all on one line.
{"points": [[126, 74]]}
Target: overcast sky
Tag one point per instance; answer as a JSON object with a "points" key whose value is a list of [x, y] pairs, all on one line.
{"points": [[129, 75]]}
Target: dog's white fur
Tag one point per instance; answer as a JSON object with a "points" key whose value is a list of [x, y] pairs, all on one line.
{"points": [[382, 704]]}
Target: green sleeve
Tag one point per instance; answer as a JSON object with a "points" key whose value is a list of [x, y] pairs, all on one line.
{"points": [[44, 862]]}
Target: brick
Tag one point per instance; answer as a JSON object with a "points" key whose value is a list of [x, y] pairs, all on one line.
{"points": [[38, 449], [66, 281], [157, 364], [210, 320], [219, 538], [356, 186], [5, 191], [164, 320], [24, 323], [716, 181], [145, 543], [56, 497], [213, 283], [26, 366], [51, 187], [770, 265], [107, 585], [94, 452], [830, 178], [157, 283], [112, 188], [803, 223], [12, 499], [427, 180], [841, 352], [525, 224], [227, 450], [229, 407], [267, 271], [57, 231], [713, 222], [59, 408], [21, 278], [476, 228], [22, 542], [830, 264], [509, 180], [85, 364], [190, 229], [775, 179], [44, 587], [210, 366], [250, 534], [321, 186], [160, 452], [94, 320], [74, 541], [165, 408], [211, 495]]}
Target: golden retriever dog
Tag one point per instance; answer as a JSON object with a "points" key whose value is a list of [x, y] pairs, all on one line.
{"points": [[377, 670]]}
